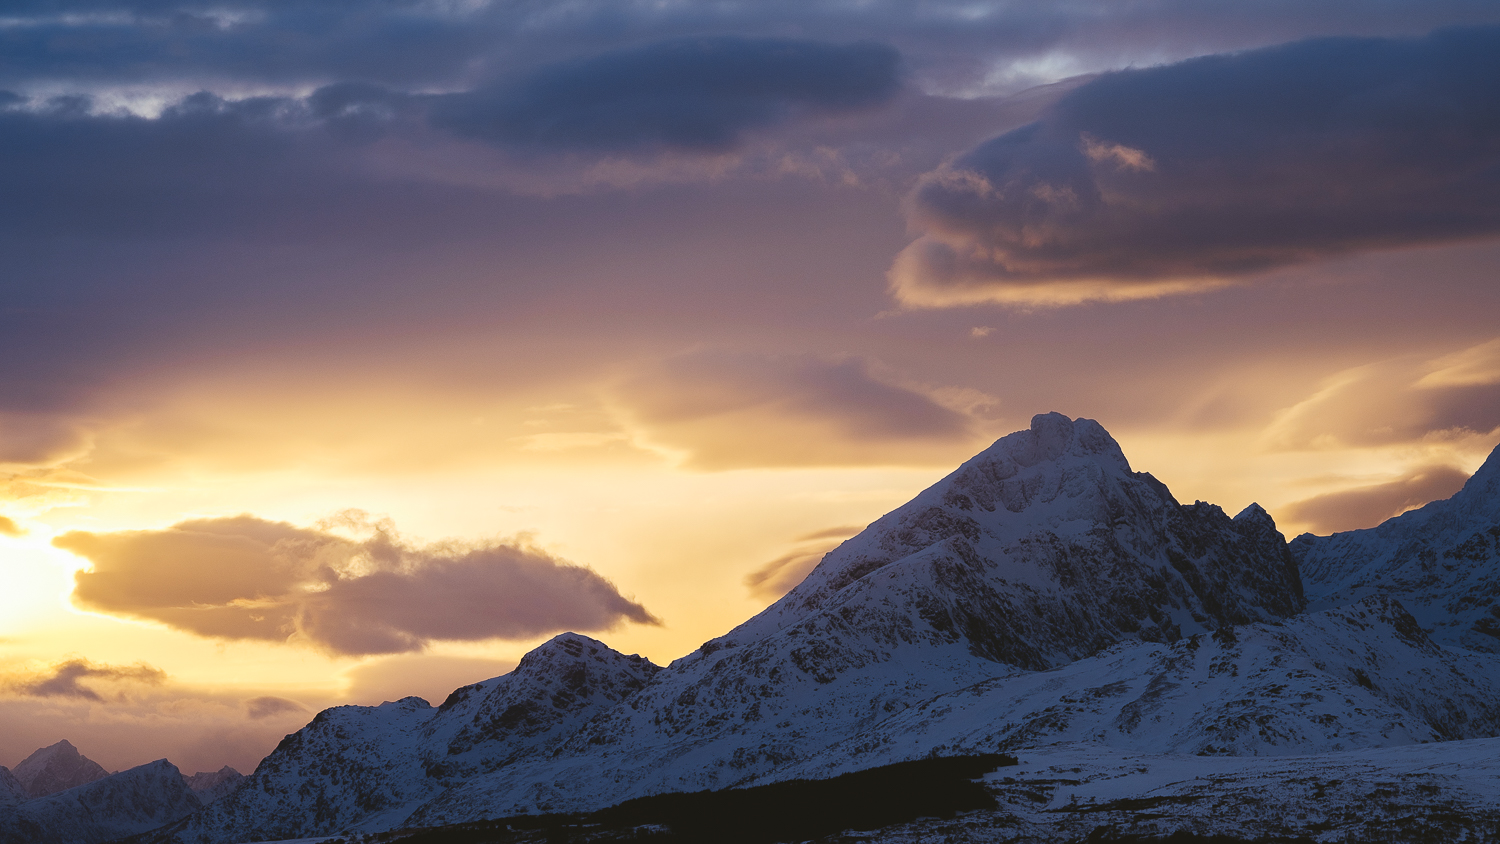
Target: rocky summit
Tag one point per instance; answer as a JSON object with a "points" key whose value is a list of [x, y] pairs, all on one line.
{"points": [[1044, 600]]}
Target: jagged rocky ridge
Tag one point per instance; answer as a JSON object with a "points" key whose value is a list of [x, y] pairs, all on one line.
{"points": [[1044, 592], [209, 786], [1442, 561]]}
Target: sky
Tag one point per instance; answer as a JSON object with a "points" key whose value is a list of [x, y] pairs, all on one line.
{"points": [[349, 351]]}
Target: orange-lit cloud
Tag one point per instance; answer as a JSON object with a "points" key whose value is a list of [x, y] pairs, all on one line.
{"points": [[248, 578], [737, 410], [1406, 400], [40, 439], [1367, 506], [8, 527]]}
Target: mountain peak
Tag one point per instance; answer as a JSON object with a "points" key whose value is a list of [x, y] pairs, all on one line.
{"points": [[1485, 481], [1045, 547], [1054, 436], [55, 768]]}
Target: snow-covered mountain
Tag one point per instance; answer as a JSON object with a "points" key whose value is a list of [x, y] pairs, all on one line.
{"points": [[374, 765], [1042, 593], [129, 802], [1047, 547], [209, 786], [56, 768], [1442, 561]]}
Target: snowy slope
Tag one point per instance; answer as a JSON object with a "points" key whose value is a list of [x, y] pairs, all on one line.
{"points": [[1430, 793], [126, 803], [11, 790], [1441, 561], [1359, 676]]}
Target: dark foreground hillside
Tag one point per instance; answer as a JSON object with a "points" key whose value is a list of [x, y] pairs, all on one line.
{"points": [[796, 810]]}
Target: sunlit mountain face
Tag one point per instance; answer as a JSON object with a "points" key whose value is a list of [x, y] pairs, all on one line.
{"points": [[349, 353]]}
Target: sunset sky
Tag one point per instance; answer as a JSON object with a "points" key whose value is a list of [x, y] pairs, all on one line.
{"points": [[350, 350]]}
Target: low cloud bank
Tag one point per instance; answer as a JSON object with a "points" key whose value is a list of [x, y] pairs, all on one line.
{"points": [[248, 578]]}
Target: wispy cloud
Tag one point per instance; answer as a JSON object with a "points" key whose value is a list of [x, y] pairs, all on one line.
{"points": [[66, 679]]}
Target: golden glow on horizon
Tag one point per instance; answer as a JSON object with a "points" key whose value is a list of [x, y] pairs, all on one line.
{"points": [[566, 473]]}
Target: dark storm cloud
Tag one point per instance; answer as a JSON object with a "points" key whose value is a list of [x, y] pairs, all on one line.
{"points": [[412, 43], [729, 410], [1149, 181], [694, 94], [247, 578], [65, 679], [1368, 506]]}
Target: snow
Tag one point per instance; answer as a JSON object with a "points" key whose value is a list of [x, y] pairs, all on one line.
{"points": [[1044, 600], [132, 801]]}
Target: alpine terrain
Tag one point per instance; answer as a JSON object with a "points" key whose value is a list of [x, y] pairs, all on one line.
{"points": [[1152, 667]]}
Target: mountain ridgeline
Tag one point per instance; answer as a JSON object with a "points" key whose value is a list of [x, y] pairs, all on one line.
{"points": [[1042, 593]]}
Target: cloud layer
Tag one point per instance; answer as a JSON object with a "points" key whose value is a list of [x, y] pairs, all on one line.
{"points": [[693, 94], [727, 410], [1367, 506], [1402, 401], [1170, 179], [248, 578]]}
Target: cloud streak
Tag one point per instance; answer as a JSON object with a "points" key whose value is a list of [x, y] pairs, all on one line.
{"points": [[1174, 179], [66, 679], [1402, 401], [248, 578], [726, 410], [1367, 506], [778, 576]]}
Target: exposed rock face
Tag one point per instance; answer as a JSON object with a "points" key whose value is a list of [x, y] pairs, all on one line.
{"points": [[130, 802], [1441, 561], [211, 785], [57, 768]]}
